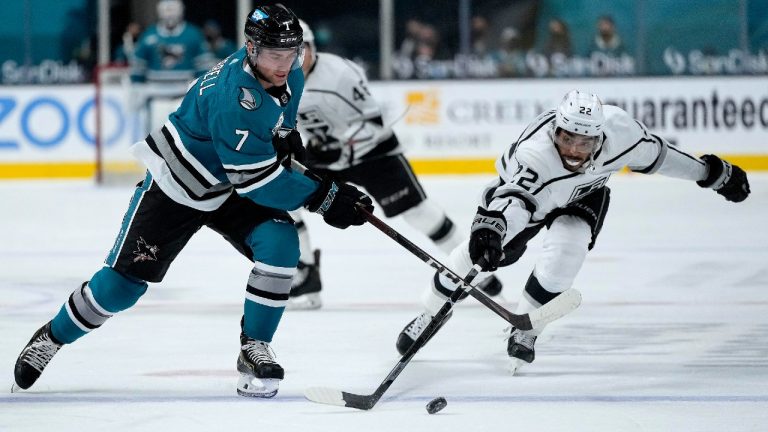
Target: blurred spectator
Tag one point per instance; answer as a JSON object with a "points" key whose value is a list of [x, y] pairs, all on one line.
{"points": [[510, 57], [421, 41], [606, 38], [125, 50], [427, 44], [218, 45], [171, 50], [480, 34], [412, 36], [559, 40]]}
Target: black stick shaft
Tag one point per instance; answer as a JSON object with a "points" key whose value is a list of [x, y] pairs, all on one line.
{"points": [[367, 402], [521, 322]]}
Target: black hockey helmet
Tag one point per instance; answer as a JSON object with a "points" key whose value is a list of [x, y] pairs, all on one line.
{"points": [[273, 27]]}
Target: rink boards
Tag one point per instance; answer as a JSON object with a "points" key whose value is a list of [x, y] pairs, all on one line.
{"points": [[447, 127]]}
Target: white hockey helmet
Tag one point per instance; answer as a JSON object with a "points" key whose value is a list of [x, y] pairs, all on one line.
{"points": [[580, 113], [309, 39], [309, 36]]}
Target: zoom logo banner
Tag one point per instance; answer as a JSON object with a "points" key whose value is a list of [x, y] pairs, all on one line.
{"points": [[49, 117]]}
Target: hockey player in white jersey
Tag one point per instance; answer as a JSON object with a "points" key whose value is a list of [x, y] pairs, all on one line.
{"points": [[346, 138], [555, 176]]}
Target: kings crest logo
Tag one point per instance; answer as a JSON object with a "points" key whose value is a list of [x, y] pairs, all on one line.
{"points": [[582, 190], [249, 99]]}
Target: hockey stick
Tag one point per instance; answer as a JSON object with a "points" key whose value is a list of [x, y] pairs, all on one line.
{"points": [[561, 305], [556, 308], [331, 396]]}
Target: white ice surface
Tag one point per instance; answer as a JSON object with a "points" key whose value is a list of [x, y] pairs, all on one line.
{"points": [[672, 334]]}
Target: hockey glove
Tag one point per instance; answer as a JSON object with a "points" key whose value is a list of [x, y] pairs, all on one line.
{"points": [[488, 229], [287, 144], [726, 179], [338, 204], [322, 153]]}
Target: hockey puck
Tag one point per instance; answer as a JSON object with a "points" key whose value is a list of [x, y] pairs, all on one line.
{"points": [[436, 404]]}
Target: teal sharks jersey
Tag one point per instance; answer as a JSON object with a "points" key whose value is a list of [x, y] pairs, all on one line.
{"points": [[164, 55], [220, 139]]}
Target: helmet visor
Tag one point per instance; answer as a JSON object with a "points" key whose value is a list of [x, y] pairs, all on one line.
{"points": [[280, 58], [576, 143]]}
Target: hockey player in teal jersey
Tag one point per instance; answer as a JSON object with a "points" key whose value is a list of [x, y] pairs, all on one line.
{"points": [[172, 50], [222, 160]]}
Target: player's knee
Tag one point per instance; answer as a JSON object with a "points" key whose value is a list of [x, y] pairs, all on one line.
{"points": [[568, 236], [426, 217], [115, 291], [563, 252], [276, 243], [432, 221]]}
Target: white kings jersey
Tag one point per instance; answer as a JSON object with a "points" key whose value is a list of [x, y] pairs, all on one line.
{"points": [[339, 121], [533, 181]]}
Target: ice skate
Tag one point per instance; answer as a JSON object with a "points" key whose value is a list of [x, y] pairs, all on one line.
{"points": [[34, 358], [520, 349], [491, 286], [305, 290], [260, 374], [415, 328]]}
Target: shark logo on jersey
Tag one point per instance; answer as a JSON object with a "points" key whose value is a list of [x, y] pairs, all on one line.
{"points": [[278, 124], [248, 99], [581, 190], [144, 251]]}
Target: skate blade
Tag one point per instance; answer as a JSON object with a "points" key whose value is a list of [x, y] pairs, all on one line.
{"points": [[15, 388], [250, 386], [304, 302]]}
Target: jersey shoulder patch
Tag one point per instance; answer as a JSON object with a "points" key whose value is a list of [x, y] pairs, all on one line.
{"points": [[249, 98]]}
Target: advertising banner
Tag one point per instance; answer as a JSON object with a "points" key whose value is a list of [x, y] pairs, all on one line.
{"points": [[467, 124], [481, 118]]}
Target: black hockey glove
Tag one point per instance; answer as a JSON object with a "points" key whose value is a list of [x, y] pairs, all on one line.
{"points": [[727, 179], [322, 153], [287, 144], [338, 203], [488, 229]]}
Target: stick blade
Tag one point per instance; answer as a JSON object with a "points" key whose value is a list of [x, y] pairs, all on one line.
{"points": [[560, 306], [325, 395], [329, 396]]}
